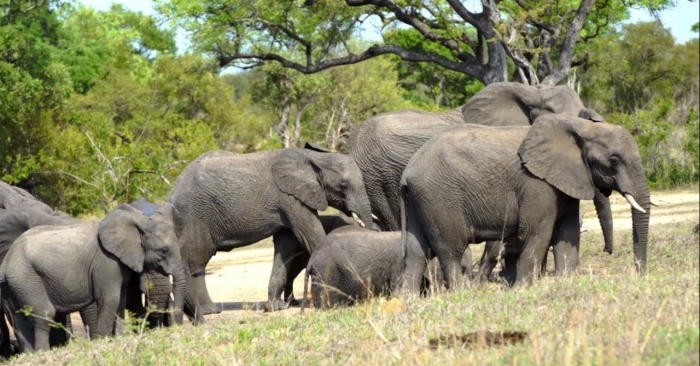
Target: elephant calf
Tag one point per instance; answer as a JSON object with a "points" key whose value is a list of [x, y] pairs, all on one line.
{"points": [[56, 270], [354, 263]]}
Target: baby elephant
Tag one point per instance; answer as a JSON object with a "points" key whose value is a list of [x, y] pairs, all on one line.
{"points": [[51, 271], [354, 263]]}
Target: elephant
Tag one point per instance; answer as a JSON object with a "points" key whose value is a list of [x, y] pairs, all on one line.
{"points": [[354, 263], [14, 197], [382, 145], [14, 222], [228, 200], [301, 258], [482, 183], [56, 270]]}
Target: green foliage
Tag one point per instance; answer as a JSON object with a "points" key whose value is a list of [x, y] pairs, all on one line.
{"points": [[645, 81], [669, 153], [426, 85], [324, 107], [96, 42]]}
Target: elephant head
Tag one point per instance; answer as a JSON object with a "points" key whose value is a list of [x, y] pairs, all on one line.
{"points": [[322, 179], [578, 157], [515, 104], [140, 241]]}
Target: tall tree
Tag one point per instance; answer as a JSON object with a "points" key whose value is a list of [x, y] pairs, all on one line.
{"points": [[311, 35]]}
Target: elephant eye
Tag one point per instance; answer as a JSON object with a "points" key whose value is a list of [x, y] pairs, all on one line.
{"points": [[614, 161], [164, 251]]}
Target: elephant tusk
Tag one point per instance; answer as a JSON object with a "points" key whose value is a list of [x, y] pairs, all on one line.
{"points": [[634, 203], [357, 218], [374, 217]]}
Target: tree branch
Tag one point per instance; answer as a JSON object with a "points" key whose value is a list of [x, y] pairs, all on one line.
{"points": [[567, 48], [471, 66]]}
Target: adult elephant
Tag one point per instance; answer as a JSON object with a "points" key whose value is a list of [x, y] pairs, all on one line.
{"points": [[477, 183], [15, 197], [383, 144], [228, 200]]}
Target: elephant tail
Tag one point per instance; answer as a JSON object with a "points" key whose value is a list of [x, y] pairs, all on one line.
{"points": [[403, 196], [307, 274]]}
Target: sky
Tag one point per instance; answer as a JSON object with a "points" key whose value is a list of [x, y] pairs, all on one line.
{"points": [[678, 19]]}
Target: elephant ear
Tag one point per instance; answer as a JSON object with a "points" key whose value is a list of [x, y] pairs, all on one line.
{"points": [[296, 174], [314, 147], [591, 115], [121, 233], [552, 151]]}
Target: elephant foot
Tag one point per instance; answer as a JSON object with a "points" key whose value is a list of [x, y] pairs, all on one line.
{"points": [[275, 305], [291, 301], [210, 308]]}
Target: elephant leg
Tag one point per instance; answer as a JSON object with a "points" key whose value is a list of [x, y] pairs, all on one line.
{"points": [[286, 247], [24, 332], [89, 315], [41, 320], [448, 243], [466, 263], [191, 308], [107, 312], [489, 259], [536, 243], [206, 304], [416, 258], [510, 266], [301, 258], [450, 261], [59, 336], [566, 240], [432, 279]]}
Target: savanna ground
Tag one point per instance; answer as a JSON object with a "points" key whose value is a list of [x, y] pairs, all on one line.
{"points": [[606, 314]]}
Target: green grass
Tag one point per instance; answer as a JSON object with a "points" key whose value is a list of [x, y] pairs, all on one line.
{"points": [[606, 314]]}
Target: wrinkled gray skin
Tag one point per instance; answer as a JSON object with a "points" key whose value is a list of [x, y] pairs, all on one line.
{"points": [[301, 258], [13, 223], [383, 144], [48, 267], [15, 197], [475, 183], [151, 284], [228, 200], [354, 263]]}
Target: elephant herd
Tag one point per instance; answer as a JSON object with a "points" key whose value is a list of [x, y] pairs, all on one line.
{"points": [[413, 190]]}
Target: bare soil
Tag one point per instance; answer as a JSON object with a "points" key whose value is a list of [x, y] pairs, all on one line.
{"points": [[237, 280]]}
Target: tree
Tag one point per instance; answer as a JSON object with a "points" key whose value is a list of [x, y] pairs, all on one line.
{"points": [[427, 85], [33, 83], [311, 36], [640, 78], [97, 42]]}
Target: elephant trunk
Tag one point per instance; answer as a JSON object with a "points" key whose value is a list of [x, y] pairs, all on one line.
{"points": [[360, 210], [640, 220], [179, 292], [602, 207]]}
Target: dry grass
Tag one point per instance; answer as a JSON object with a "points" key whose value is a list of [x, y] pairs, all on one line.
{"points": [[604, 315]]}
